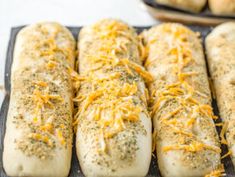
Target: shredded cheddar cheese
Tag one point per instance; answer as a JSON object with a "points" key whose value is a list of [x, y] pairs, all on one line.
{"points": [[39, 137], [47, 127], [169, 115], [154, 139], [190, 122], [219, 172], [60, 136], [227, 154], [53, 47], [112, 97], [42, 99], [219, 124], [180, 91], [222, 133], [51, 64], [139, 69], [41, 83], [192, 147]]}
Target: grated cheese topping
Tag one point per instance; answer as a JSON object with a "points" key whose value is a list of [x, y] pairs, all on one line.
{"points": [[219, 172], [110, 93], [223, 132], [192, 147], [227, 154], [39, 137], [180, 91], [50, 44]]}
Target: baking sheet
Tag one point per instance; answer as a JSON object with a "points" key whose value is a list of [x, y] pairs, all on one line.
{"points": [[75, 168], [204, 13]]}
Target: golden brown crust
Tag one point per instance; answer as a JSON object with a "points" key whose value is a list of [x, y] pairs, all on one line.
{"points": [[222, 7], [186, 138], [187, 5]]}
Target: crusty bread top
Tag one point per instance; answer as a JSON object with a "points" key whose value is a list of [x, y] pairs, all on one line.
{"points": [[40, 105], [222, 7], [112, 94], [187, 5]]}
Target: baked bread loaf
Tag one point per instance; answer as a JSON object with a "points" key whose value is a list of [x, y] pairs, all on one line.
{"points": [[38, 138], [187, 5], [187, 143], [220, 47], [222, 7], [113, 127]]}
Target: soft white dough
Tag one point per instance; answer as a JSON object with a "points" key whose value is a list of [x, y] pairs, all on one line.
{"points": [[15, 162], [220, 47], [85, 141], [172, 132], [138, 168]]}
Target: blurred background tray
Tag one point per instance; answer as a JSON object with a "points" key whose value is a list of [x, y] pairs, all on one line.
{"points": [[75, 170], [165, 13]]}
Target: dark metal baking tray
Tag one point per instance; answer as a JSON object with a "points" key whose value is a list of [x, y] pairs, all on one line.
{"points": [[75, 168]]}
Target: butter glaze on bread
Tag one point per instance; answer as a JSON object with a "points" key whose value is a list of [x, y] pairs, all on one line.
{"points": [[38, 137]]}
